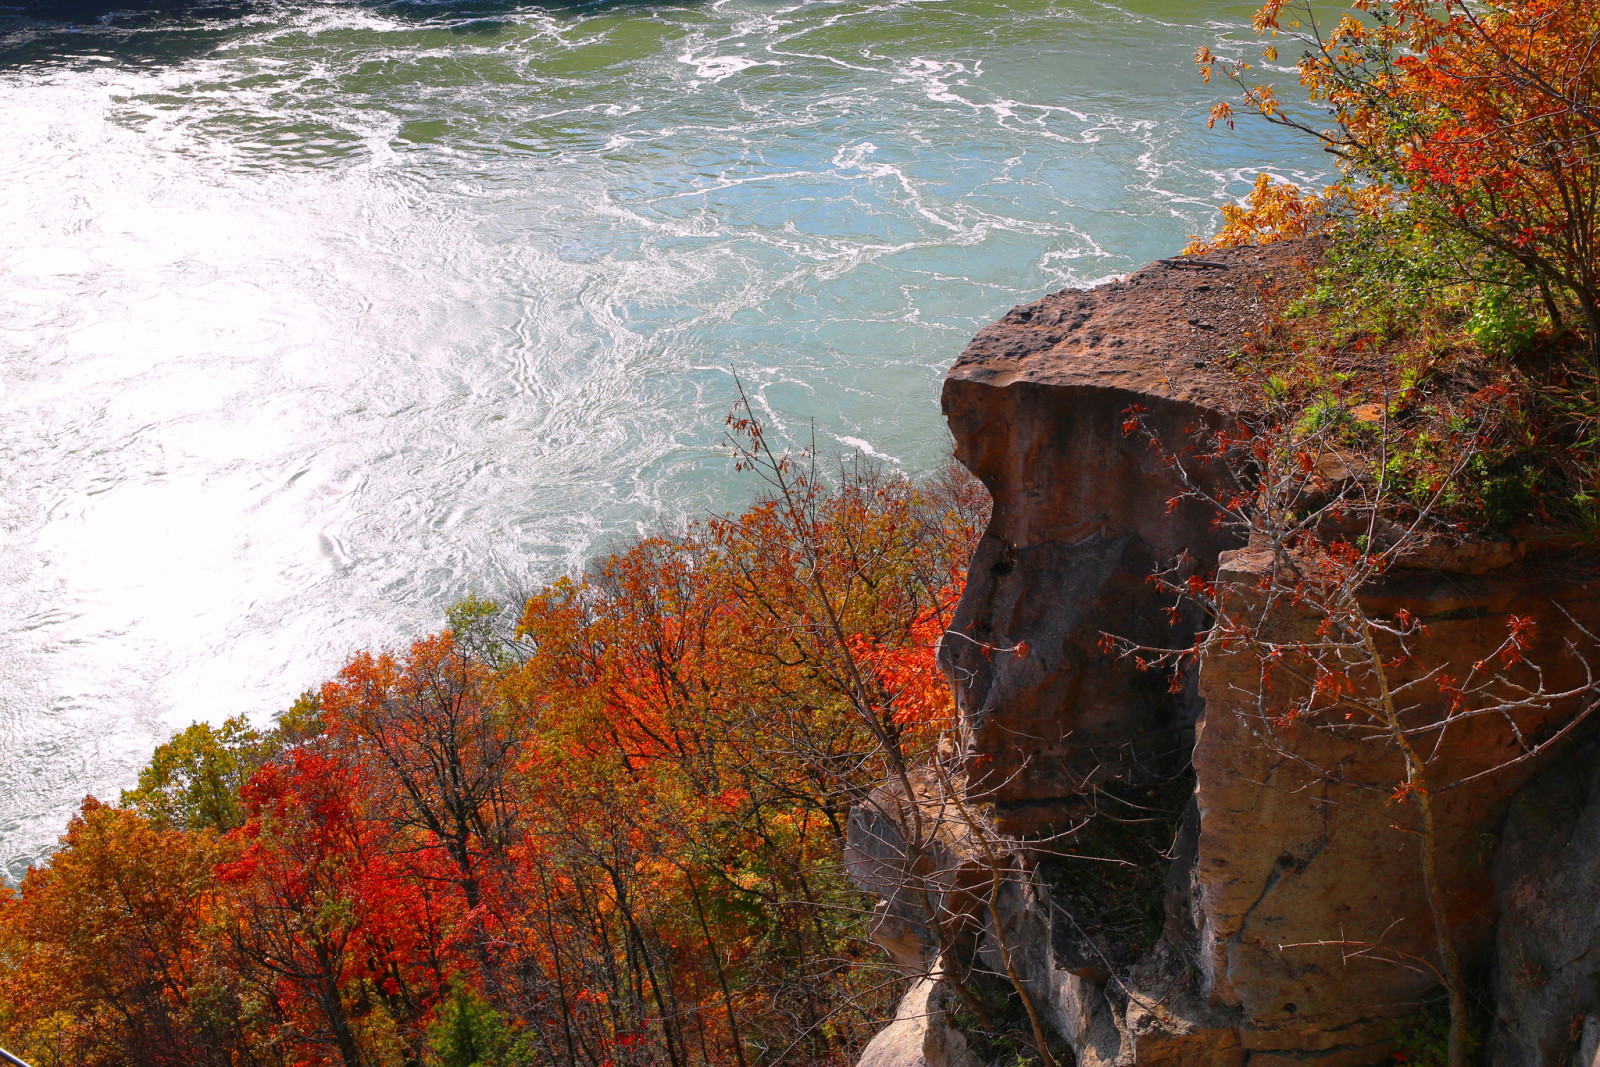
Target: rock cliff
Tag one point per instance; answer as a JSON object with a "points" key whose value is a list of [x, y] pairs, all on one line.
{"points": [[1546, 980], [1295, 928], [1306, 900], [1036, 404]]}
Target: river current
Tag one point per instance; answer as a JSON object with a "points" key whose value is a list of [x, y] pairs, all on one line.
{"points": [[316, 316]]}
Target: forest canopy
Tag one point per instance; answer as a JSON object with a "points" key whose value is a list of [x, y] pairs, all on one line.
{"points": [[607, 834]]}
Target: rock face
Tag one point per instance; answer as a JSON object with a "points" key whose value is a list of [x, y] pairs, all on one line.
{"points": [[919, 858], [1296, 930], [1037, 404], [921, 1034], [1308, 904], [1547, 952]]}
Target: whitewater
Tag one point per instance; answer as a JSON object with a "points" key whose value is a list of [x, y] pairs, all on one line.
{"points": [[315, 317]]}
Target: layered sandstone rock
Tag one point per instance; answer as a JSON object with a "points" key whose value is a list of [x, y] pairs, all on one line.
{"points": [[1307, 901], [1037, 405], [1284, 892]]}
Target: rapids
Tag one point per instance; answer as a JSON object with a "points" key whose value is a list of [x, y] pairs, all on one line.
{"points": [[315, 316]]}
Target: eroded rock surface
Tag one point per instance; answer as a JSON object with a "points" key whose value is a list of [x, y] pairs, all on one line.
{"points": [[918, 857], [1283, 893], [1308, 900], [1037, 405], [921, 1034], [1547, 958]]}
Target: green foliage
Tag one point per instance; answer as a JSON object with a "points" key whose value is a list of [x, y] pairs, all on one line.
{"points": [[1500, 324], [1386, 275], [302, 721], [192, 782], [1412, 349], [1390, 277], [1506, 486], [1423, 1039], [1324, 412], [471, 623], [470, 1033]]}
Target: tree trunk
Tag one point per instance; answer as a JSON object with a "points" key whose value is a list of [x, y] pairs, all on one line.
{"points": [[1454, 981], [343, 1036]]}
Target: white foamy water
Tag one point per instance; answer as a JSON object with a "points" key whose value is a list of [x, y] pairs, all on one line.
{"points": [[314, 317]]}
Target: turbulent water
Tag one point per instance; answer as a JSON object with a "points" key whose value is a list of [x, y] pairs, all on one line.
{"points": [[316, 316]]}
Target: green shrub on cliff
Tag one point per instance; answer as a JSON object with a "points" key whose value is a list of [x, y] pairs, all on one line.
{"points": [[1423, 1039], [1417, 347]]}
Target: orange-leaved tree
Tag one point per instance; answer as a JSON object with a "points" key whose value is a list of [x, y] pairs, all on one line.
{"points": [[104, 949], [1486, 116], [1282, 211], [611, 840], [711, 742]]}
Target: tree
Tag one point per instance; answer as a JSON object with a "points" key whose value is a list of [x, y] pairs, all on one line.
{"points": [[470, 1033], [319, 922], [613, 840], [899, 707], [1486, 115], [105, 953], [192, 782], [698, 750], [1281, 211], [443, 743]]}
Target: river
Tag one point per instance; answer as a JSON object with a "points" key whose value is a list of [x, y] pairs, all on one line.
{"points": [[316, 316]]}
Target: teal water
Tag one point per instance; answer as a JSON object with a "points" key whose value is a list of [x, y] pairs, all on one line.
{"points": [[314, 316]]}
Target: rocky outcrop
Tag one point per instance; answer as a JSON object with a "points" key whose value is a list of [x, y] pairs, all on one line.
{"points": [[1037, 404], [1296, 931], [1307, 906], [1547, 951], [955, 903], [919, 858], [921, 1034]]}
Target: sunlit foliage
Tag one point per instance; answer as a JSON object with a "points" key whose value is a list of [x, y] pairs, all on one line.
{"points": [[1485, 116], [605, 834]]}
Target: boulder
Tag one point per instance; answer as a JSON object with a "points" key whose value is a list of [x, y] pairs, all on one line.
{"points": [[921, 1034], [919, 858]]}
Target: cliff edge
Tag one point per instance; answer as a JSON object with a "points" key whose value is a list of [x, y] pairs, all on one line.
{"points": [[1037, 404], [1292, 923]]}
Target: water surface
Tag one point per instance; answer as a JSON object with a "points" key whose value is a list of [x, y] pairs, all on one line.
{"points": [[315, 316]]}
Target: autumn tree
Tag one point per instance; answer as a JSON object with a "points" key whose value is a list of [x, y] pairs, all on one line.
{"points": [[711, 735], [442, 744], [344, 953], [610, 839], [1485, 115], [104, 950], [897, 710]]}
